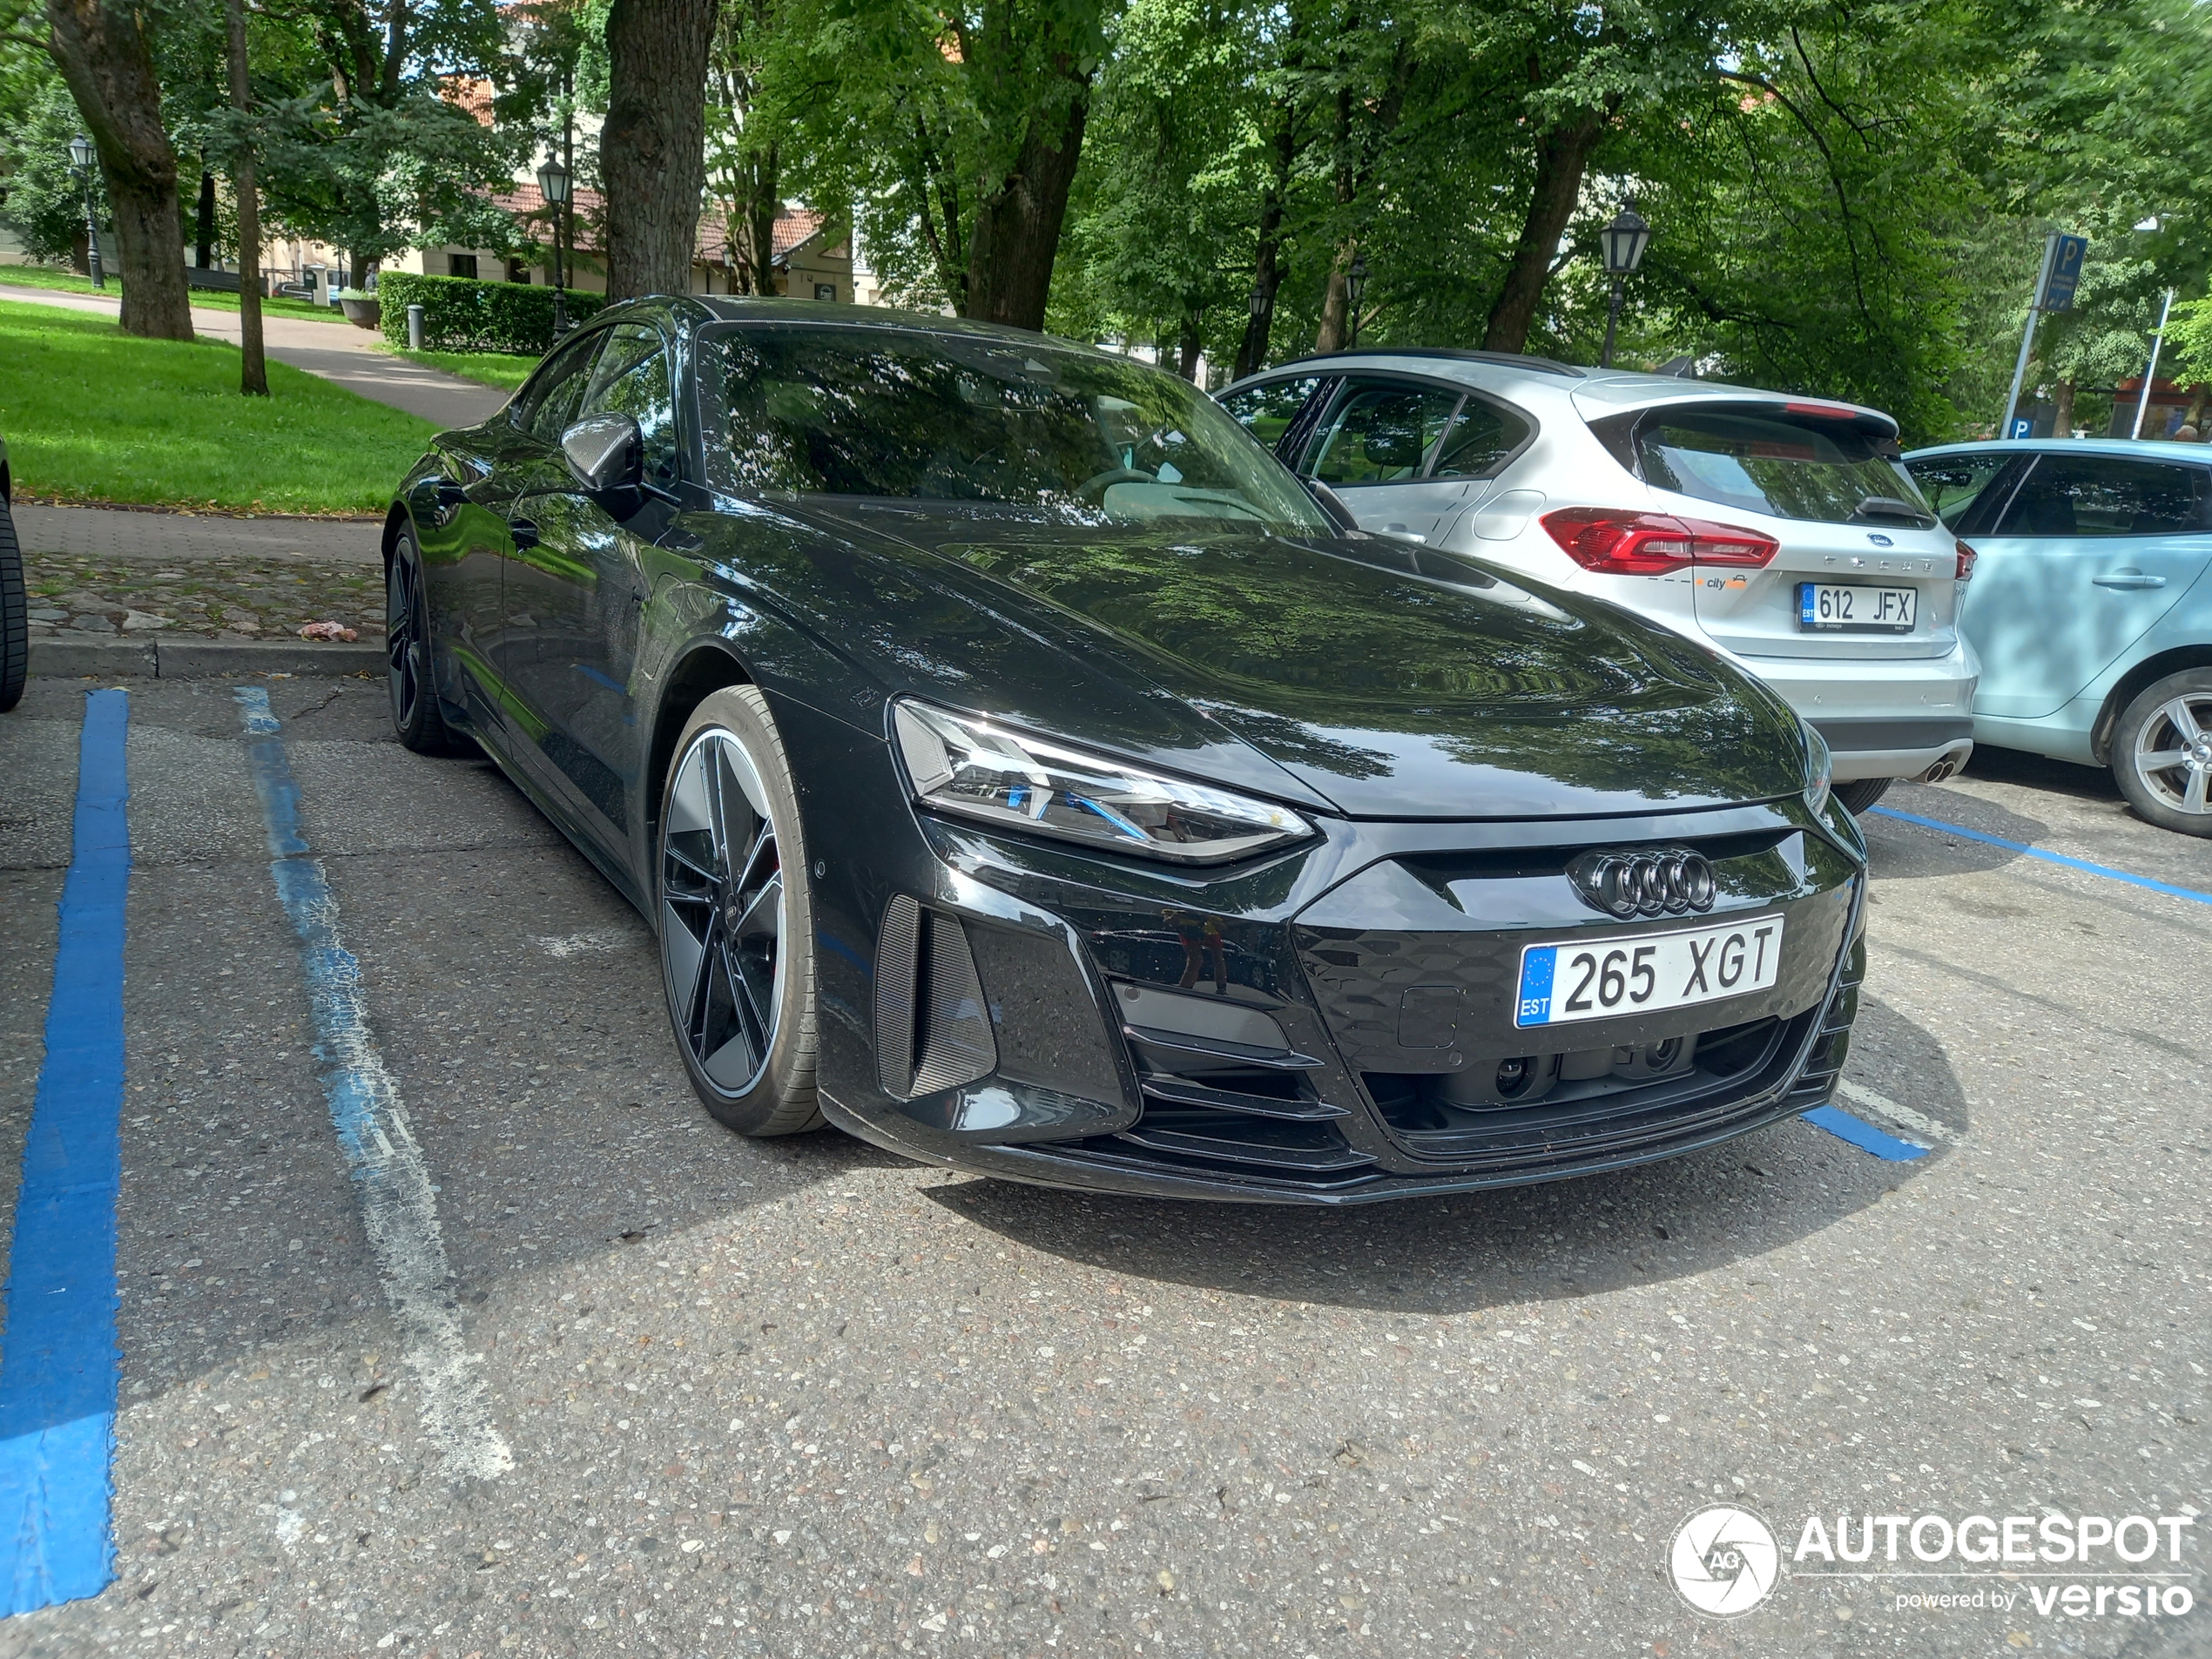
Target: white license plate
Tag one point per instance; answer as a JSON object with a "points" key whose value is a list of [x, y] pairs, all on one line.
{"points": [[1645, 973], [1852, 608]]}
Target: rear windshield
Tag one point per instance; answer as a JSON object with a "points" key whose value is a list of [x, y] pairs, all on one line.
{"points": [[1087, 438], [1827, 470]]}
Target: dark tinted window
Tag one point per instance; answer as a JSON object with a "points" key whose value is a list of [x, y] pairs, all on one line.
{"points": [[1380, 434], [632, 378], [1952, 484], [1480, 438], [1267, 411], [1827, 470], [548, 404], [872, 411], [2102, 495]]}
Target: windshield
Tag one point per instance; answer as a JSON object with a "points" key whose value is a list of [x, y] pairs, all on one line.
{"points": [[1827, 470], [872, 411]]}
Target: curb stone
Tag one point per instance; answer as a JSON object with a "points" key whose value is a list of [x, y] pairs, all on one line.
{"points": [[198, 658]]}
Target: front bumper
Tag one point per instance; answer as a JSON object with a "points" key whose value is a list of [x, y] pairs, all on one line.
{"points": [[1299, 1031]]}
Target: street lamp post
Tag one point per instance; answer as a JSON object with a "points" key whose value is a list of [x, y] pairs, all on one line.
{"points": [[553, 184], [1355, 289], [80, 160], [1624, 240]]}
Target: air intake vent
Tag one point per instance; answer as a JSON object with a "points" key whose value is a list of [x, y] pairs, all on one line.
{"points": [[933, 1029]]}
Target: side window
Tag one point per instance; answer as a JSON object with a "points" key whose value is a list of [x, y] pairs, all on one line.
{"points": [[1482, 434], [1268, 411], [1380, 434], [2100, 496], [632, 377], [1954, 483], [547, 406]]}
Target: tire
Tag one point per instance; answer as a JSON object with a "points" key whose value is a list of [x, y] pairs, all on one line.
{"points": [[415, 716], [2169, 720], [15, 619], [729, 839], [1862, 792]]}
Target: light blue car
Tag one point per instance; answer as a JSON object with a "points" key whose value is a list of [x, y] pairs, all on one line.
{"points": [[2090, 606]]}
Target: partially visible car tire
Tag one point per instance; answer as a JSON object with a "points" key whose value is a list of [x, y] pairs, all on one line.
{"points": [[15, 617], [2162, 753], [737, 919], [1862, 792], [415, 716]]}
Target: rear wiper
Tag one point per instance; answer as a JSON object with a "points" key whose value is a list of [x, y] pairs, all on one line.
{"points": [[1890, 507]]}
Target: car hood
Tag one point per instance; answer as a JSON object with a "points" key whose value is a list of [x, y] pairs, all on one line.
{"points": [[1360, 673]]}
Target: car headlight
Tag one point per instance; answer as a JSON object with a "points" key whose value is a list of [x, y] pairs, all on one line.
{"points": [[961, 764], [1820, 771]]}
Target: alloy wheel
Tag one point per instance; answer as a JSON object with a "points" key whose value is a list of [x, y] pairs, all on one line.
{"points": [[722, 912], [2173, 753], [403, 637]]}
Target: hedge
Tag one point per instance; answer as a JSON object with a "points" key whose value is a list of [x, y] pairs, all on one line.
{"points": [[461, 314]]}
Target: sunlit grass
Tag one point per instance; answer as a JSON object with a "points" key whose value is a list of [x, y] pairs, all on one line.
{"points": [[91, 413], [502, 369], [46, 276]]}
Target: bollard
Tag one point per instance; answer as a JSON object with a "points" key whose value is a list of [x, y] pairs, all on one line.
{"points": [[415, 328]]}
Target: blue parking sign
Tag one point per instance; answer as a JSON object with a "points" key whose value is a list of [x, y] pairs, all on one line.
{"points": [[2065, 274]]}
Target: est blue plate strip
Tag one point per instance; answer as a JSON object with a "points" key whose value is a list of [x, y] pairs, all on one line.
{"points": [[2048, 858], [58, 1378], [1864, 1136]]}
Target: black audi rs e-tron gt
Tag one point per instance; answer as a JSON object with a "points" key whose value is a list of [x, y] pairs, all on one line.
{"points": [[1023, 771]]}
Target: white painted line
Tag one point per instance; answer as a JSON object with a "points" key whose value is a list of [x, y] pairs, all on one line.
{"points": [[398, 1202], [1919, 1122]]}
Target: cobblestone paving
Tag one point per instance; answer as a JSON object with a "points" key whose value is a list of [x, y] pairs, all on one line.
{"points": [[223, 597]]}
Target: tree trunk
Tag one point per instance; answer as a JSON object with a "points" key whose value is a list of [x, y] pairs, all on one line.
{"points": [[1017, 224], [254, 370], [761, 224], [1336, 302], [204, 228], [2195, 416], [652, 150], [1267, 275], [108, 69], [2062, 410], [1562, 156], [1186, 362]]}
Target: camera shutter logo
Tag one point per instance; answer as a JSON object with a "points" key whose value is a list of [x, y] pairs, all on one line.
{"points": [[1725, 1560]]}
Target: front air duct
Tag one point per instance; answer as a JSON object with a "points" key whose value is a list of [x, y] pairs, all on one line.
{"points": [[933, 1027]]}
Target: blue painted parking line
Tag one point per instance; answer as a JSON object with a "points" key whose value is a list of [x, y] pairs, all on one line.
{"points": [[1863, 1135], [58, 1379], [2105, 870]]}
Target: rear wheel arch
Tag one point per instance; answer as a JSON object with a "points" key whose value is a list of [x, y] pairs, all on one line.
{"points": [[2148, 672], [702, 670]]}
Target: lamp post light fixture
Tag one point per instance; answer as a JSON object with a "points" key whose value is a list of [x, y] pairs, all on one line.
{"points": [[80, 163], [1355, 289], [553, 184], [1624, 239]]}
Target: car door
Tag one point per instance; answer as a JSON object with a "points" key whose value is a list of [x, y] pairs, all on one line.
{"points": [[1409, 457], [582, 584], [2090, 552]]}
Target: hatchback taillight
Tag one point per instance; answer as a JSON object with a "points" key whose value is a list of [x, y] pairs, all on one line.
{"points": [[1966, 558], [1620, 543]]}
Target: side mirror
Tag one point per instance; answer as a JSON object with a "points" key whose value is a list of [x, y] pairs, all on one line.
{"points": [[1331, 503], [604, 452]]}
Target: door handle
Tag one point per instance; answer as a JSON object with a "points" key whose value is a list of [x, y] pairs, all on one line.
{"points": [[2127, 578], [523, 532]]}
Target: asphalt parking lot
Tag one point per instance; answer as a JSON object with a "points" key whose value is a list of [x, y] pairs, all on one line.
{"points": [[614, 1380]]}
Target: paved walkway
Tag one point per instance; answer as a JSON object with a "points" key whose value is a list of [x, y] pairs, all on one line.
{"points": [[331, 351], [106, 533]]}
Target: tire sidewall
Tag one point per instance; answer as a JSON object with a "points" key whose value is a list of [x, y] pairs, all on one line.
{"points": [[782, 1100], [15, 615], [2144, 708], [418, 733]]}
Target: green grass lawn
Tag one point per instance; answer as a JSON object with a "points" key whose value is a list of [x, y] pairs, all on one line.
{"points": [[46, 276], [502, 369], [91, 413]]}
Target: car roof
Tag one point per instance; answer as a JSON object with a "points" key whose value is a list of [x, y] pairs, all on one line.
{"points": [[2140, 449], [1512, 373]]}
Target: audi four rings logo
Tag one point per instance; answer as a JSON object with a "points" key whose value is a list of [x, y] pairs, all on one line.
{"points": [[1671, 882]]}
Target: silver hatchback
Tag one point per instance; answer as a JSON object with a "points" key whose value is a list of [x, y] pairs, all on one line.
{"points": [[1781, 531]]}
